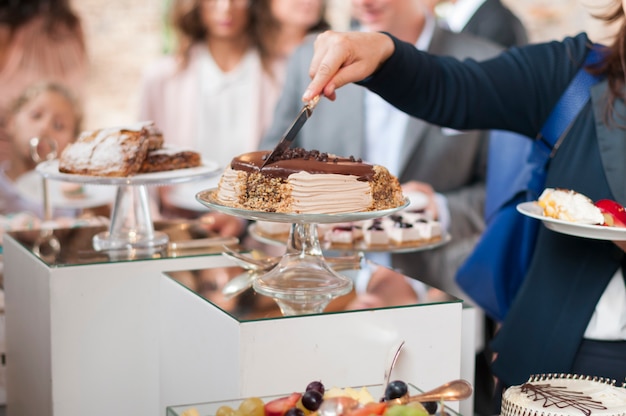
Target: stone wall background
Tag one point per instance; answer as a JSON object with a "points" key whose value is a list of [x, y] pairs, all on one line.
{"points": [[124, 36]]}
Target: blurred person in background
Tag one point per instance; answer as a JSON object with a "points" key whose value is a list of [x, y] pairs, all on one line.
{"points": [[569, 316], [209, 95], [489, 19], [217, 94], [212, 94], [40, 40], [48, 111], [492, 20], [444, 165], [282, 25]]}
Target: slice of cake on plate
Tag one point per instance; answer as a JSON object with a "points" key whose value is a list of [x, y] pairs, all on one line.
{"points": [[374, 234], [568, 205], [118, 151], [169, 158], [124, 151]]}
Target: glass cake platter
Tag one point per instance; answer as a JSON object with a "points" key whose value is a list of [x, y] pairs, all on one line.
{"points": [[302, 282], [131, 226]]}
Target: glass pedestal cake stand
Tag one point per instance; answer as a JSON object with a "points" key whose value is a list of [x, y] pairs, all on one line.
{"points": [[302, 282], [131, 226]]}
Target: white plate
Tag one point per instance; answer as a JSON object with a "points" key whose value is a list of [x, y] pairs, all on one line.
{"points": [[597, 232], [30, 185], [417, 200]]}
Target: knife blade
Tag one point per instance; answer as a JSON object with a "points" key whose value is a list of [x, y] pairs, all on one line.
{"points": [[292, 131]]}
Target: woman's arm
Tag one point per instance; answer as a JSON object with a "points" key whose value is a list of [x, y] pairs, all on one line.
{"points": [[514, 91]]}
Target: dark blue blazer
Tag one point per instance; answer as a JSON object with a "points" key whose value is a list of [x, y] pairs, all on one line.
{"points": [[516, 91], [494, 21]]}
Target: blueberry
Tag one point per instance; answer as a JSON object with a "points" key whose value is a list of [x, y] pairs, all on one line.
{"points": [[317, 386], [431, 407], [395, 390], [294, 411], [312, 400]]}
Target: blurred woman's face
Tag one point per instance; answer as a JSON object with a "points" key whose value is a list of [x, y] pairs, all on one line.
{"points": [[304, 13], [49, 115], [225, 19], [383, 15]]}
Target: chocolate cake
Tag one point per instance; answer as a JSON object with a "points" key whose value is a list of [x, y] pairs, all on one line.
{"points": [[169, 159], [308, 182]]}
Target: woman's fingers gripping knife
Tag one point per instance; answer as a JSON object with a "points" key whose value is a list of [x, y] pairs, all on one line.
{"points": [[341, 58]]}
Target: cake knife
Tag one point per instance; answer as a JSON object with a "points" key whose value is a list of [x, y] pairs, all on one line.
{"points": [[292, 131]]}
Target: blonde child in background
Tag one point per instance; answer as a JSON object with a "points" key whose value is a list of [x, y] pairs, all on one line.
{"points": [[49, 112], [39, 40]]}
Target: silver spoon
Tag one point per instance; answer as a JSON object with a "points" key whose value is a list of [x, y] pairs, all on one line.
{"points": [[239, 283], [391, 363], [248, 262]]}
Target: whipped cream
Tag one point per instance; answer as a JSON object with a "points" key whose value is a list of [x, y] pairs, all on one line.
{"points": [[229, 184], [569, 205]]}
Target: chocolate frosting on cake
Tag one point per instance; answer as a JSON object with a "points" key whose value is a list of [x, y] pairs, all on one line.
{"points": [[307, 182], [297, 160]]}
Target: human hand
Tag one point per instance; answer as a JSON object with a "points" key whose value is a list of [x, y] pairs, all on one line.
{"points": [[426, 189], [223, 224], [386, 287], [341, 58]]}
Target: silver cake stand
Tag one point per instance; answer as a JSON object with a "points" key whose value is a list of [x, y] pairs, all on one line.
{"points": [[302, 282], [131, 226]]}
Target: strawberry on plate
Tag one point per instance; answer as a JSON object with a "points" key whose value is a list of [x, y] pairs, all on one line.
{"points": [[278, 407], [614, 213]]}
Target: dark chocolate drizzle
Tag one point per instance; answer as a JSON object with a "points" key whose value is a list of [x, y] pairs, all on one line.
{"points": [[561, 397], [297, 160]]}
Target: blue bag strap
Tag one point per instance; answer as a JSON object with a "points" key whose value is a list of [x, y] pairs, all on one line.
{"points": [[572, 100], [526, 177], [560, 120]]}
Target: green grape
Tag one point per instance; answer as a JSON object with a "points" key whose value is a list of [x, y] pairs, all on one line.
{"points": [[225, 411], [404, 410], [252, 406]]}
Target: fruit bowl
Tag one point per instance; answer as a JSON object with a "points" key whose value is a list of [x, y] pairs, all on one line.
{"points": [[375, 391]]}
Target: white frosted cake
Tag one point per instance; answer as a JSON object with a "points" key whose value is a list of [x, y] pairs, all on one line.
{"points": [[564, 395]]}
